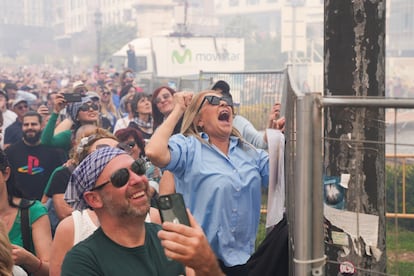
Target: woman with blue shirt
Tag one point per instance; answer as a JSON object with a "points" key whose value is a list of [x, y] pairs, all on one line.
{"points": [[219, 174]]}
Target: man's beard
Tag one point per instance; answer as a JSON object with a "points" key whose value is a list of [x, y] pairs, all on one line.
{"points": [[32, 139], [124, 209]]}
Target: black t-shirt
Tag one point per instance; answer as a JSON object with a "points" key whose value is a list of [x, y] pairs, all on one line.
{"points": [[106, 124], [32, 166], [13, 133], [145, 135], [59, 181]]}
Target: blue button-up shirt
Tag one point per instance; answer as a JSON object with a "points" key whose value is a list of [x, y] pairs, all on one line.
{"points": [[222, 192]]}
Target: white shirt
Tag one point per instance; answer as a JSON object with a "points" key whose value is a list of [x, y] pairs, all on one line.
{"points": [[122, 123], [18, 271], [9, 117]]}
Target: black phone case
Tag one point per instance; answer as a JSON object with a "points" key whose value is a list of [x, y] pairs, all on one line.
{"points": [[72, 97], [172, 208]]}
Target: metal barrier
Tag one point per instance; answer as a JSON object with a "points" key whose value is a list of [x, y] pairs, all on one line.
{"points": [[303, 172], [401, 160], [254, 93], [304, 161]]}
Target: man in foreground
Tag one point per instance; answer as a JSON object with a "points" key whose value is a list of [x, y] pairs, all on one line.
{"points": [[115, 186]]}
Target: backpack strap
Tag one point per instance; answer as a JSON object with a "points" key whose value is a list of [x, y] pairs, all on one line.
{"points": [[25, 224], [25, 227]]}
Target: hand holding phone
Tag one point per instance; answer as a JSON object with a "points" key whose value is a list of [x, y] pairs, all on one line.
{"points": [[72, 97], [172, 208], [194, 250], [43, 110]]}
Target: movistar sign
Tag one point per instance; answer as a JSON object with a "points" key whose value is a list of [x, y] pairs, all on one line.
{"points": [[186, 56], [181, 58]]}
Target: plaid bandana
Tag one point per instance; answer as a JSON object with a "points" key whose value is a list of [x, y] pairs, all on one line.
{"points": [[83, 178]]}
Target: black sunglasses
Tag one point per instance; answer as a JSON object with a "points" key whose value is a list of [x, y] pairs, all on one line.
{"points": [[120, 177], [214, 100], [21, 107], [86, 107]]}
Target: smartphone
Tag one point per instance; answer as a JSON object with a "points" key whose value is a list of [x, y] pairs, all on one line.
{"points": [[172, 208], [72, 97]]}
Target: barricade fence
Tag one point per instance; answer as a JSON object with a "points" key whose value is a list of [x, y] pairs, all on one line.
{"points": [[254, 93], [357, 231]]}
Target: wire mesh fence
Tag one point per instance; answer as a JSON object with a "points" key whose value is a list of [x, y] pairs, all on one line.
{"points": [[331, 234]]}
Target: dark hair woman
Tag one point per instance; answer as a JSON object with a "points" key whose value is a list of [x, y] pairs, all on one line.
{"points": [[31, 254], [142, 109], [162, 105]]}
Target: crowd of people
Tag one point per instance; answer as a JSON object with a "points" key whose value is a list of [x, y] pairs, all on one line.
{"points": [[80, 176]]}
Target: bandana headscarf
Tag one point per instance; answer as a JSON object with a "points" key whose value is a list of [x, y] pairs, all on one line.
{"points": [[84, 177]]}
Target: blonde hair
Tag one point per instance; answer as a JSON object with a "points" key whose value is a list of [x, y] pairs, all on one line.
{"points": [[107, 107], [191, 116], [82, 131], [85, 143], [6, 259]]}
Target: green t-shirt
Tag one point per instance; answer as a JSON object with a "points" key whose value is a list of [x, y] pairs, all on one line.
{"points": [[36, 211], [99, 255]]}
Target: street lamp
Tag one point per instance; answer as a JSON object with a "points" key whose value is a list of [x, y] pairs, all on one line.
{"points": [[98, 26]]}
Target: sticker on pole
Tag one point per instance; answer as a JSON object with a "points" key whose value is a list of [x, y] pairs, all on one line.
{"points": [[347, 268]]}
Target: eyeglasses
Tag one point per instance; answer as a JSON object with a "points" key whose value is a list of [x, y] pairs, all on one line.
{"points": [[162, 97], [21, 107], [130, 144], [120, 177], [214, 100], [106, 93], [126, 146], [85, 107], [129, 75]]}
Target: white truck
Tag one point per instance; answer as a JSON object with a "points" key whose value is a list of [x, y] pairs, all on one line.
{"points": [[184, 56]]}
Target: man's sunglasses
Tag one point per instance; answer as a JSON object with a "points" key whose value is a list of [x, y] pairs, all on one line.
{"points": [[120, 177], [85, 107], [214, 100]]}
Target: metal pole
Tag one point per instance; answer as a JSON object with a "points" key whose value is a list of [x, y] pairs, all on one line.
{"points": [[98, 25], [293, 61], [303, 211], [98, 48], [367, 102], [318, 248]]}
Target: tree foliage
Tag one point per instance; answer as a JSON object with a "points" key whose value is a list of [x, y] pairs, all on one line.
{"points": [[394, 192], [262, 51], [114, 37]]}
